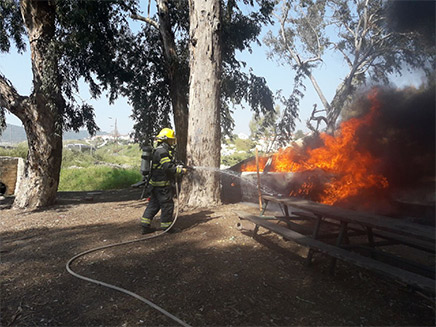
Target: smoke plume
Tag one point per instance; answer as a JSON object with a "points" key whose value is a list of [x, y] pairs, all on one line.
{"points": [[402, 136], [413, 16]]}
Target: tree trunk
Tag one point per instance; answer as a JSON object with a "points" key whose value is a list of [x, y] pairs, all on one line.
{"points": [[180, 111], [41, 175], [40, 112], [318, 90], [176, 80], [202, 187], [337, 104]]}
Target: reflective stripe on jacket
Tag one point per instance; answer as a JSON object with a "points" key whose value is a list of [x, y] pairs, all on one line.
{"points": [[163, 167]]}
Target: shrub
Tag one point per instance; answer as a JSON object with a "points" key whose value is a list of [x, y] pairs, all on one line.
{"points": [[97, 178], [76, 158], [19, 151]]}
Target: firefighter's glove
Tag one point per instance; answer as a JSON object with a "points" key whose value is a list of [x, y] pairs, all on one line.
{"points": [[181, 170]]}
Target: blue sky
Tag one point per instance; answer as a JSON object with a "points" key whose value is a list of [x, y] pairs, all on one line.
{"points": [[17, 68]]}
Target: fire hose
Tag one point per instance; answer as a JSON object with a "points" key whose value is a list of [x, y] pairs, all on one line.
{"points": [[136, 296]]}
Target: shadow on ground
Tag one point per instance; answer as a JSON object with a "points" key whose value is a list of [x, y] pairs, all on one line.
{"points": [[207, 274]]}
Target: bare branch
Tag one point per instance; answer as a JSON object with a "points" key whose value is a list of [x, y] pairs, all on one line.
{"points": [[317, 119], [365, 19], [348, 28], [146, 20], [285, 40]]}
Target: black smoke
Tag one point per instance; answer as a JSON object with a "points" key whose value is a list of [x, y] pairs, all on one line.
{"points": [[413, 16], [402, 135]]}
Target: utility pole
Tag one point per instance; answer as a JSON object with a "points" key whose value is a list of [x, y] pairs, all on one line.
{"points": [[116, 134]]}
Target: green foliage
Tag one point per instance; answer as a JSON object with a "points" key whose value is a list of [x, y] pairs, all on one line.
{"points": [[120, 155], [239, 149], [299, 135], [20, 151], [235, 158], [264, 126], [97, 178], [92, 40], [126, 155], [85, 171], [73, 158], [89, 42], [11, 26], [149, 91], [79, 171], [244, 145]]}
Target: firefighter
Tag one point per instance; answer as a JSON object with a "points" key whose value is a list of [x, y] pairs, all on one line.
{"points": [[164, 171]]}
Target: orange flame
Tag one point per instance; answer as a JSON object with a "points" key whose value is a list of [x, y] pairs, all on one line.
{"points": [[340, 156]]}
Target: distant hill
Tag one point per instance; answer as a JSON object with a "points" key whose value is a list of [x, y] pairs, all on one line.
{"points": [[16, 134], [13, 134]]}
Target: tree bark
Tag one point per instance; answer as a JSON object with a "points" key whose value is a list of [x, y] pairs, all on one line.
{"points": [[39, 112], [204, 131], [337, 104]]}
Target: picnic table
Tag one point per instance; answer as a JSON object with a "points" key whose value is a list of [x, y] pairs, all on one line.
{"points": [[356, 237]]}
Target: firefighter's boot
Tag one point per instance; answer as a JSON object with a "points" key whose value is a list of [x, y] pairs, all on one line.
{"points": [[146, 230]]}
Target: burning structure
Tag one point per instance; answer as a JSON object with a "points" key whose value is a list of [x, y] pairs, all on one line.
{"points": [[381, 159]]}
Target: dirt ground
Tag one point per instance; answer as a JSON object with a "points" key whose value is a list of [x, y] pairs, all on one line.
{"points": [[208, 274]]}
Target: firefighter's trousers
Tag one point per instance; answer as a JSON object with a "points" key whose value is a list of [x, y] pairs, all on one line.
{"points": [[161, 199]]}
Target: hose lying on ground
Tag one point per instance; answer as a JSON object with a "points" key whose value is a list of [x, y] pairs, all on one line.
{"points": [[136, 296]]}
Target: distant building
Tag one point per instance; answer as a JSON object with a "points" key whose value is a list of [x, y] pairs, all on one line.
{"points": [[7, 145], [111, 137], [80, 147]]}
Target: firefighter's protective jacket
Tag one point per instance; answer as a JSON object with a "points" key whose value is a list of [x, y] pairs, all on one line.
{"points": [[164, 169]]}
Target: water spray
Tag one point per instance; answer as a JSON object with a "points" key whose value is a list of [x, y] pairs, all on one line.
{"points": [[238, 175]]}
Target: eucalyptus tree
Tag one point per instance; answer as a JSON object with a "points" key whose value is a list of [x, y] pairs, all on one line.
{"points": [[359, 32], [161, 85], [68, 40], [181, 63], [204, 132]]}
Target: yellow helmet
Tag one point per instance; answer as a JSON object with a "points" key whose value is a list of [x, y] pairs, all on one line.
{"points": [[168, 135]]}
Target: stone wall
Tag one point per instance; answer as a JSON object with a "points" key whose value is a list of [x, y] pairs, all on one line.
{"points": [[11, 172]]}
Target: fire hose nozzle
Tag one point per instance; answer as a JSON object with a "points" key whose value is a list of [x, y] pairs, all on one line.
{"points": [[186, 168]]}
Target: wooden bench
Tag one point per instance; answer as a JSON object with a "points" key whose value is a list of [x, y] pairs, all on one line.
{"points": [[393, 230], [412, 279]]}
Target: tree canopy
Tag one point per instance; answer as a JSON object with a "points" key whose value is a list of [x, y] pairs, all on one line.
{"points": [[68, 41], [89, 42], [149, 92]]}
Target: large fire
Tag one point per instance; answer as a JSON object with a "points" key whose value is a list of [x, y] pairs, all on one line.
{"points": [[350, 167]]}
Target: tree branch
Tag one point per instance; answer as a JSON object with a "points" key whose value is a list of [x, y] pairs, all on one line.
{"points": [[347, 59], [9, 97], [146, 20], [317, 119]]}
